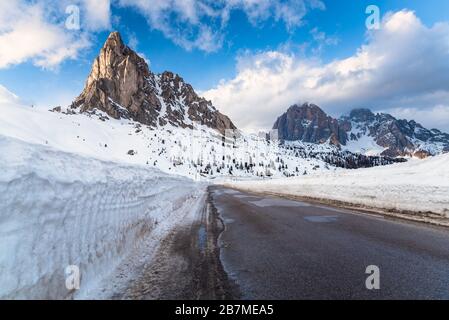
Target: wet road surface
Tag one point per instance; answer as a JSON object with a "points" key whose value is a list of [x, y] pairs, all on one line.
{"points": [[274, 248]]}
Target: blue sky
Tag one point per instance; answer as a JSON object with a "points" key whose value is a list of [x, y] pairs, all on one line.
{"points": [[322, 31]]}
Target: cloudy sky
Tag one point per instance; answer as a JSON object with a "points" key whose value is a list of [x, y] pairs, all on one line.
{"points": [[252, 58]]}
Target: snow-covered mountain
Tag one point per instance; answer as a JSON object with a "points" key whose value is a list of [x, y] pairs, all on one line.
{"points": [[309, 123], [383, 133], [361, 131], [200, 152], [122, 85], [128, 114]]}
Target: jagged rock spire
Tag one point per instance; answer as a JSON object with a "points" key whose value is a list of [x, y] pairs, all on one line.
{"points": [[122, 85]]}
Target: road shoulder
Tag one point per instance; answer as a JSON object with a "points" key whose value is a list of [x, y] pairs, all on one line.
{"points": [[186, 265]]}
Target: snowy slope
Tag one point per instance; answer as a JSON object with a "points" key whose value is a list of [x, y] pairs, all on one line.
{"points": [[417, 186], [360, 141], [195, 153], [59, 209], [382, 133]]}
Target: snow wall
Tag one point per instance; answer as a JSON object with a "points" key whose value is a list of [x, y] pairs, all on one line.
{"points": [[58, 209]]}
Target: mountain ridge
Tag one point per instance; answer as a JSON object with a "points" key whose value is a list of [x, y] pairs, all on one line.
{"points": [[383, 132], [122, 85]]}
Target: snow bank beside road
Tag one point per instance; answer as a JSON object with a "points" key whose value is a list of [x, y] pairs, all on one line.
{"points": [[416, 186], [59, 209]]}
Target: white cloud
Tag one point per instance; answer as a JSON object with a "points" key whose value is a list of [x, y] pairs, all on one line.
{"points": [[25, 34], [35, 31], [404, 64], [133, 43], [200, 23], [290, 12], [434, 117], [322, 40], [97, 14]]}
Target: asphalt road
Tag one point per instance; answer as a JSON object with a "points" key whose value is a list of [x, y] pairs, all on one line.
{"points": [[274, 248]]}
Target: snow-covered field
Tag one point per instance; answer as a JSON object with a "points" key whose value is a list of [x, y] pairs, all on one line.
{"points": [[59, 209], [416, 186], [194, 153]]}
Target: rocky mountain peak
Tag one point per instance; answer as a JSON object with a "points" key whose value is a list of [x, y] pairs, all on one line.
{"points": [[308, 123], [309, 110], [361, 115], [381, 131], [114, 40], [122, 85]]}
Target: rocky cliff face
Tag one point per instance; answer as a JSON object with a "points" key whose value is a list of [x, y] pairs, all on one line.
{"points": [[309, 123], [382, 132], [121, 85], [397, 137]]}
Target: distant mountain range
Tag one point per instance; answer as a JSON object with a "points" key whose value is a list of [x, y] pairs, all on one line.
{"points": [[361, 131], [121, 86]]}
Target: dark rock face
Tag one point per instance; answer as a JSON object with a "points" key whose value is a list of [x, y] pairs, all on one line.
{"points": [[121, 85], [361, 115], [309, 123], [398, 137]]}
